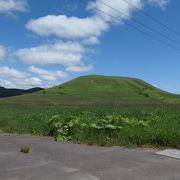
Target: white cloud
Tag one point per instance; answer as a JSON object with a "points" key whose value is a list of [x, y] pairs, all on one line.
{"points": [[9, 6], [28, 83], [160, 3], [7, 84], [88, 27], [47, 75], [65, 53], [67, 27], [91, 41], [17, 79], [84, 31], [2, 52], [79, 68], [121, 5], [11, 73]]}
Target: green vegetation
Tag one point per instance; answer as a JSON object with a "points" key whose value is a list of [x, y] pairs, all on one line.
{"points": [[15, 92], [157, 129], [121, 88], [97, 110], [25, 149]]}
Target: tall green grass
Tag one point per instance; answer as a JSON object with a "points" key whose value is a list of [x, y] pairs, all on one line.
{"points": [[162, 123]]}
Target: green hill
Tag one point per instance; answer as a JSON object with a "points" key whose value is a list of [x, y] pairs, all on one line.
{"points": [[99, 90], [109, 87], [97, 110]]}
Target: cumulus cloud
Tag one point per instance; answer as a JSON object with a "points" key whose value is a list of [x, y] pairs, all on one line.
{"points": [[11, 73], [7, 84], [91, 41], [121, 5], [2, 52], [9, 6], [12, 78], [92, 26], [159, 3], [89, 27], [83, 31], [47, 75], [67, 27], [64, 53], [28, 82], [79, 68]]}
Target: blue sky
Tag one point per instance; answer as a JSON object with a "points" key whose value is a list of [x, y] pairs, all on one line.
{"points": [[47, 42]]}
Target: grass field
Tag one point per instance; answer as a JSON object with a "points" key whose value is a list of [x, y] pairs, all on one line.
{"points": [[97, 110]]}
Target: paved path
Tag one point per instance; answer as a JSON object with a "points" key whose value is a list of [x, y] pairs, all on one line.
{"points": [[50, 160]]}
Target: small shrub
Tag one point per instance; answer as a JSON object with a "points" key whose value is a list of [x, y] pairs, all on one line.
{"points": [[146, 95], [25, 149], [143, 92]]}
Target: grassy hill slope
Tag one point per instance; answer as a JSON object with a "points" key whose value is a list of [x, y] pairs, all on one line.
{"points": [[109, 87], [97, 90]]}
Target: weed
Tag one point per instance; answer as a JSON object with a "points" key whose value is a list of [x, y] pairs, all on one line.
{"points": [[25, 149]]}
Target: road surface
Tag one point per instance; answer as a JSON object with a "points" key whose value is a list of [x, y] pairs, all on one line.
{"points": [[50, 160]]}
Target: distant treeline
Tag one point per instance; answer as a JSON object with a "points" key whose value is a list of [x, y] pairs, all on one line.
{"points": [[16, 92]]}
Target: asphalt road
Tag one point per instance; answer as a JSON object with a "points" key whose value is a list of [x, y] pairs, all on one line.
{"points": [[50, 160]]}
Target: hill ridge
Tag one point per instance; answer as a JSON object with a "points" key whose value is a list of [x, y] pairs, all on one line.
{"points": [[109, 86]]}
